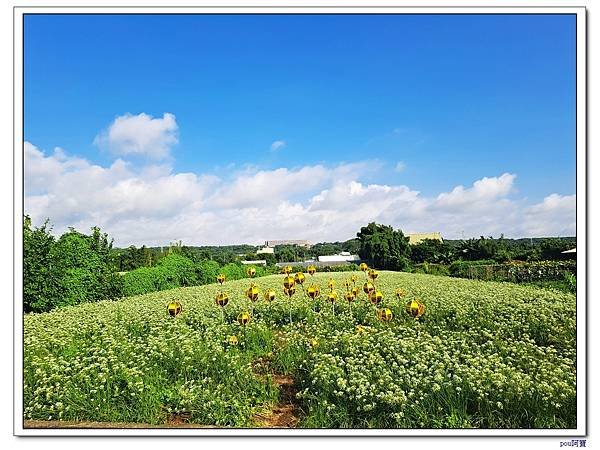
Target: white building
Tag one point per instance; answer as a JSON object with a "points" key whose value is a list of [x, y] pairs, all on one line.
{"points": [[341, 257], [258, 262], [266, 251]]}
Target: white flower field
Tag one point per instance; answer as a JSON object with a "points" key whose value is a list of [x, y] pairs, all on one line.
{"points": [[482, 355]]}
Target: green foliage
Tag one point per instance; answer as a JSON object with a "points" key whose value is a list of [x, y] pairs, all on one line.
{"points": [[40, 281], [502, 249], [432, 251], [178, 270], [74, 269], [290, 253], [385, 247], [139, 281], [233, 271], [207, 271], [540, 270], [482, 248], [517, 272], [173, 270], [431, 269], [131, 258], [552, 248], [463, 269], [571, 281]]}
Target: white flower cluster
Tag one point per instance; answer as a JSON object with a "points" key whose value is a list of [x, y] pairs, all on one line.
{"points": [[484, 354]]}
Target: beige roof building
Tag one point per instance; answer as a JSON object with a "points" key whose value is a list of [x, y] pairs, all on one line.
{"points": [[415, 238]]}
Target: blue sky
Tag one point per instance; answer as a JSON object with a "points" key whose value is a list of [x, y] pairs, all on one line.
{"points": [[453, 99]]}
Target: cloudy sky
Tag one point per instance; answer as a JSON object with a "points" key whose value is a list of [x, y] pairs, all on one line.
{"points": [[239, 129]]}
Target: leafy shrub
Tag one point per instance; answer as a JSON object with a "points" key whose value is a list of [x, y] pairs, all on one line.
{"points": [[516, 271], [431, 269], [74, 269], [463, 269], [233, 271], [40, 282], [207, 271], [139, 281], [571, 281], [178, 270], [540, 270]]}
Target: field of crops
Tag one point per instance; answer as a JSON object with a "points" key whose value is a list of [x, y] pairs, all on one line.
{"points": [[484, 355]]}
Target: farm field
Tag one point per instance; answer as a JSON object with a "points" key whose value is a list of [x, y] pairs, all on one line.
{"points": [[483, 355]]}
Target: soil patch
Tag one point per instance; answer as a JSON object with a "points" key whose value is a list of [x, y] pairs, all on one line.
{"points": [[285, 414]]}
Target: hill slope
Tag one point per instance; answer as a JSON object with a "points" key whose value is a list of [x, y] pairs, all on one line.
{"points": [[483, 355]]}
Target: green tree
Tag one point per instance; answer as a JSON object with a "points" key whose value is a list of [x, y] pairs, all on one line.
{"points": [[352, 246], [270, 258], [73, 269], [552, 248], [83, 266], [207, 271], [476, 249], [432, 251], [286, 253], [177, 270], [385, 247], [40, 280]]}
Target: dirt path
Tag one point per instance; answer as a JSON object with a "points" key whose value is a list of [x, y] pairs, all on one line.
{"points": [[286, 413]]}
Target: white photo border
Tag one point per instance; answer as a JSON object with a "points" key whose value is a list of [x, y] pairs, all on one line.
{"points": [[581, 222]]}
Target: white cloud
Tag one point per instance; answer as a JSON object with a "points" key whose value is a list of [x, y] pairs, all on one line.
{"points": [[276, 145], [400, 166], [555, 215], [140, 135], [153, 205], [255, 188], [484, 190]]}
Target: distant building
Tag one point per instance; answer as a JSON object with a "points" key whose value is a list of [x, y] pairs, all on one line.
{"points": [[341, 257], [317, 264], [415, 238], [266, 251], [298, 242], [258, 262]]}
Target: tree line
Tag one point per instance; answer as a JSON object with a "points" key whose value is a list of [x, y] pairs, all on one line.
{"points": [[77, 268], [388, 248]]}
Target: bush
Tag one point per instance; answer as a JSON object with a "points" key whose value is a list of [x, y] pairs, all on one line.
{"points": [[540, 270], [431, 269], [233, 271], [139, 281], [463, 269], [207, 271], [74, 269], [177, 270], [40, 282], [516, 271], [172, 271], [571, 281]]}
